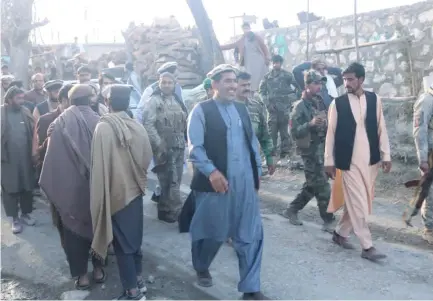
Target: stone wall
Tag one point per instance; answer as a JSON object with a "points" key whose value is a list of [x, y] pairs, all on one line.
{"points": [[398, 117], [387, 66]]}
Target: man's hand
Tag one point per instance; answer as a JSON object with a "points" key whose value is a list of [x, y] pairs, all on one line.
{"points": [[271, 169], [316, 121], [386, 166], [424, 167], [219, 182], [330, 171], [35, 158]]}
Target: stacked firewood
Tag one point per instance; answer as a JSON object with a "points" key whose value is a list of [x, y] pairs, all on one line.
{"points": [[164, 41]]}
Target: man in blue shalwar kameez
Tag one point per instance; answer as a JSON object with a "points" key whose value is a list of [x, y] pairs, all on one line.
{"points": [[226, 162]]}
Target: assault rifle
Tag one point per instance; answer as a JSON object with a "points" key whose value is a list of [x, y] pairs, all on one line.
{"points": [[422, 190]]}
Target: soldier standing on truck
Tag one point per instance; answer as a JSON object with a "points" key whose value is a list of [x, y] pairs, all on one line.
{"points": [[278, 91], [423, 134], [308, 128]]}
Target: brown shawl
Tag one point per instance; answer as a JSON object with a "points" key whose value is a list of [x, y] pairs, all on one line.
{"points": [[121, 154], [65, 172], [40, 139], [28, 119]]}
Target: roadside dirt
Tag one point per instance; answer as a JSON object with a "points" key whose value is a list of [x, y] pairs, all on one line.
{"points": [[389, 186]]}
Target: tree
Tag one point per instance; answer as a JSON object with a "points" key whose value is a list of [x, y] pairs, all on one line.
{"points": [[214, 55], [16, 25]]}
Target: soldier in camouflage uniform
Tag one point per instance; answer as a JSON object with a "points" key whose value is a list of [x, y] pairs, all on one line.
{"points": [[165, 119], [308, 128], [278, 91], [258, 115], [423, 136]]}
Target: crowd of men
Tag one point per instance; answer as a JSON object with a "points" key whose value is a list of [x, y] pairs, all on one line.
{"points": [[90, 155]]}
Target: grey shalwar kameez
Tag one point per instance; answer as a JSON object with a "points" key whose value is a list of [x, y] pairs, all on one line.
{"points": [[17, 171], [235, 214], [255, 63]]}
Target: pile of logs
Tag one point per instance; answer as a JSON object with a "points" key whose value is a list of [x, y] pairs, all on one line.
{"points": [[164, 41]]}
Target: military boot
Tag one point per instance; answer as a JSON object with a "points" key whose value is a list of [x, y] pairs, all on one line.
{"points": [[167, 217], [428, 236], [204, 279], [342, 241], [328, 227], [292, 215], [372, 254], [328, 222], [155, 198]]}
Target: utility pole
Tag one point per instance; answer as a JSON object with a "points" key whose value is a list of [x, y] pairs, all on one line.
{"points": [[355, 25]]}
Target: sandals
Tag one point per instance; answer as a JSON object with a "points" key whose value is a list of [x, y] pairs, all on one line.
{"points": [[81, 287], [85, 287], [102, 279]]}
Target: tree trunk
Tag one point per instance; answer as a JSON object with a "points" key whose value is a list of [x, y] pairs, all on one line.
{"points": [[20, 55], [17, 24], [211, 48]]}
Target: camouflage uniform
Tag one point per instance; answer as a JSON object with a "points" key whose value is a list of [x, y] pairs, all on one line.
{"points": [[277, 91], [258, 115], [165, 120], [423, 136], [310, 143]]}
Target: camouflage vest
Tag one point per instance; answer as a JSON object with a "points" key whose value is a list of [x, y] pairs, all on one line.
{"points": [[171, 122]]}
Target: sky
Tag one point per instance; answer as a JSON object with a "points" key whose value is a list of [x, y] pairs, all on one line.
{"points": [[105, 20]]}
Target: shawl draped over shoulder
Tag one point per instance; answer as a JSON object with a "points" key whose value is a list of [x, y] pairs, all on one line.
{"points": [[65, 175], [121, 154]]}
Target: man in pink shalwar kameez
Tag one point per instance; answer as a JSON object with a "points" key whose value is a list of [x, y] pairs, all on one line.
{"points": [[356, 146]]}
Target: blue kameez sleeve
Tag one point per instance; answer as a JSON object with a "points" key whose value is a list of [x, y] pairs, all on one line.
{"points": [[197, 152], [256, 149]]}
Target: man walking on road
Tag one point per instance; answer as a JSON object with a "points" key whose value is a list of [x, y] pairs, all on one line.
{"points": [[17, 172], [121, 154], [226, 162], [308, 128], [278, 91], [170, 67], [422, 133], [39, 150], [165, 119], [356, 146], [65, 178]]}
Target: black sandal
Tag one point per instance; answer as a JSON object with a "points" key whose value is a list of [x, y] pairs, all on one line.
{"points": [[81, 287], [102, 279]]}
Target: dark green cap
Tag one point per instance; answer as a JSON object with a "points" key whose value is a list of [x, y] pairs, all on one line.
{"points": [[312, 76]]}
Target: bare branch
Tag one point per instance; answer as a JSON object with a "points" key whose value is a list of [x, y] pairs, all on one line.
{"points": [[39, 24]]}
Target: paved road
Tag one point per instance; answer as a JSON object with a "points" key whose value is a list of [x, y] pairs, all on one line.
{"points": [[34, 267], [386, 222], [298, 263], [303, 263]]}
